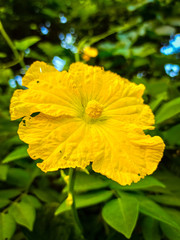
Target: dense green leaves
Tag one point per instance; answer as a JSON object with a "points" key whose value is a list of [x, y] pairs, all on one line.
{"points": [[122, 214], [129, 36]]}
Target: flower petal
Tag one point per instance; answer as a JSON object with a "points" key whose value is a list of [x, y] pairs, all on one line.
{"points": [[35, 70], [60, 142], [129, 154], [122, 99], [49, 95]]}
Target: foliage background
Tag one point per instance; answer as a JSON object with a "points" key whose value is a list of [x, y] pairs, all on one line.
{"points": [[137, 39]]}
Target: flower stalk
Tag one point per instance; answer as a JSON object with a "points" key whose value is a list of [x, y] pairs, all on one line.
{"points": [[71, 200], [11, 45]]}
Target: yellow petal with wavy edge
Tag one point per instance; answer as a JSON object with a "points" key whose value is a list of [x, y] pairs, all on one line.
{"points": [[87, 115], [35, 70], [63, 143], [49, 95], [128, 154]]}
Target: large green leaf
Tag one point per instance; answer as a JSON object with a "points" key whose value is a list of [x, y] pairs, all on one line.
{"points": [[86, 200], [25, 43], [18, 153], [122, 214], [170, 232], [150, 229], [155, 211], [7, 226], [144, 184], [23, 213], [168, 110]]}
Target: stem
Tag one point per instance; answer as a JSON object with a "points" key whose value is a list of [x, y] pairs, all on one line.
{"points": [[11, 45], [72, 174], [77, 57]]}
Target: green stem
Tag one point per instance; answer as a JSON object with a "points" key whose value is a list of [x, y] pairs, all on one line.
{"points": [[72, 174], [11, 45], [77, 57]]}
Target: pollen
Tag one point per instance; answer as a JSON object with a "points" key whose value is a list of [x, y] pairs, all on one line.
{"points": [[94, 109]]}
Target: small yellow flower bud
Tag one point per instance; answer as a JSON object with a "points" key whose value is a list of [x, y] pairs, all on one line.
{"points": [[69, 199]]}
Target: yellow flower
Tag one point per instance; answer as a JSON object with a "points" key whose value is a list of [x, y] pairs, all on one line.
{"points": [[86, 115], [89, 52]]}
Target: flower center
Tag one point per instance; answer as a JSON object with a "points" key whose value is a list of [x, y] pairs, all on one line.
{"points": [[94, 109]]}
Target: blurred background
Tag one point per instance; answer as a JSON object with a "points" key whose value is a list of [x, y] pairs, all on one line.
{"points": [[138, 39]]}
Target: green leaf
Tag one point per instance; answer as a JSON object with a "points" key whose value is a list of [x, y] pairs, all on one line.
{"points": [[18, 177], [138, 4], [25, 43], [168, 110], [144, 50], [175, 21], [3, 55], [9, 193], [165, 30], [155, 211], [23, 213], [144, 184], [159, 99], [4, 202], [122, 214], [7, 226], [46, 195], [166, 199], [150, 229], [172, 135], [3, 172], [170, 232], [86, 182], [86, 200], [18, 153], [50, 49], [31, 200]]}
